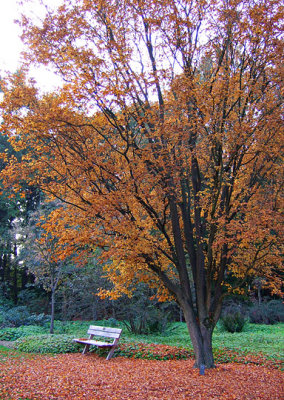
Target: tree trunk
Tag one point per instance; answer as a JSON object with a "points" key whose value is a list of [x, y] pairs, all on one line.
{"points": [[24, 278], [51, 330], [180, 315], [259, 294], [15, 285], [2, 270], [201, 338]]}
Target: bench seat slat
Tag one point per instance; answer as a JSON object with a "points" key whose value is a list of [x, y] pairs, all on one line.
{"points": [[93, 342]]}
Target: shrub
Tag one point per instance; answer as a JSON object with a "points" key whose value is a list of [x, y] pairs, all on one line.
{"points": [[234, 304], [11, 334], [143, 314], [1, 318], [34, 298], [5, 304], [112, 322], [39, 319], [145, 321], [47, 344], [233, 322], [18, 316], [72, 327], [234, 316], [268, 313]]}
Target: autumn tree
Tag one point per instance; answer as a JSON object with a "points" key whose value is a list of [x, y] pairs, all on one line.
{"points": [[164, 142], [39, 254]]}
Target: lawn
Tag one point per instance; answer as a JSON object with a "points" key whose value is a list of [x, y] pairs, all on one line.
{"points": [[265, 339]]}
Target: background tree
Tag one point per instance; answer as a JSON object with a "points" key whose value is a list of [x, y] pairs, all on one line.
{"points": [[15, 208], [40, 257], [164, 142]]}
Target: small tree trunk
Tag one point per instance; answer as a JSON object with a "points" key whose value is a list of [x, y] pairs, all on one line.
{"points": [[15, 285], [24, 278], [259, 294], [201, 338], [64, 306], [2, 270], [51, 330], [180, 315]]}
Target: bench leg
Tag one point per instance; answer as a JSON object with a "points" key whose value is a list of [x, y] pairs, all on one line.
{"points": [[86, 349], [110, 354]]}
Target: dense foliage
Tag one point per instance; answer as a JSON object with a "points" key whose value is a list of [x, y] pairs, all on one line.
{"points": [[47, 344], [233, 322]]}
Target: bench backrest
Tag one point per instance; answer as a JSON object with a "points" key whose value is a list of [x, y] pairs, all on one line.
{"points": [[104, 331]]}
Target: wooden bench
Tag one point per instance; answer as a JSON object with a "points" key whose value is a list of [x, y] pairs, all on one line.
{"points": [[101, 331]]}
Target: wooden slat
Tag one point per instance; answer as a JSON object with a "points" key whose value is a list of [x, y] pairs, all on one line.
{"points": [[105, 329], [105, 332], [93, 342]]}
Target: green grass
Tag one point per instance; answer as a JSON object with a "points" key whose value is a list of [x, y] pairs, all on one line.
{"points": [[268, 339], [265, 339]]}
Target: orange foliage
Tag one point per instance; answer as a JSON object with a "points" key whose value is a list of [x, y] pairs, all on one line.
{"points": [[89, 377], [164, 142]]}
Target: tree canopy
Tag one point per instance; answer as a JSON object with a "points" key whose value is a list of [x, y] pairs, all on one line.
{"points": [[164, 142]]}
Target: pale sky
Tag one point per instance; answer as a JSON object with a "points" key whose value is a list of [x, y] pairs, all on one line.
{"points": [[10, 42]]}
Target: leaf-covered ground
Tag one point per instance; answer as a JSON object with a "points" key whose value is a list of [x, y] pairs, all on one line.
{"points": [[75, 376]]}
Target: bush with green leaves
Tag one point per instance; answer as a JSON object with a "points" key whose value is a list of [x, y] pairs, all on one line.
{"points": [[112, 322], [5, 303], [47, 344], [148, 321], [268, 313], [142, 314], [34, 297], [1, 317], [39, 319], [11, 334], [235, 303], [73, 327], [233, 321], [20, 315], [16, 316]]}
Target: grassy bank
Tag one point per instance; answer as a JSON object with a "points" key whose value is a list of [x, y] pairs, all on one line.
{"points": [[265, 339]]}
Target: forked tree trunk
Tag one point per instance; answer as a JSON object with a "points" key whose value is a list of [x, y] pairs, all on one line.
{"points": [[201, 338], [200, 331]]}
